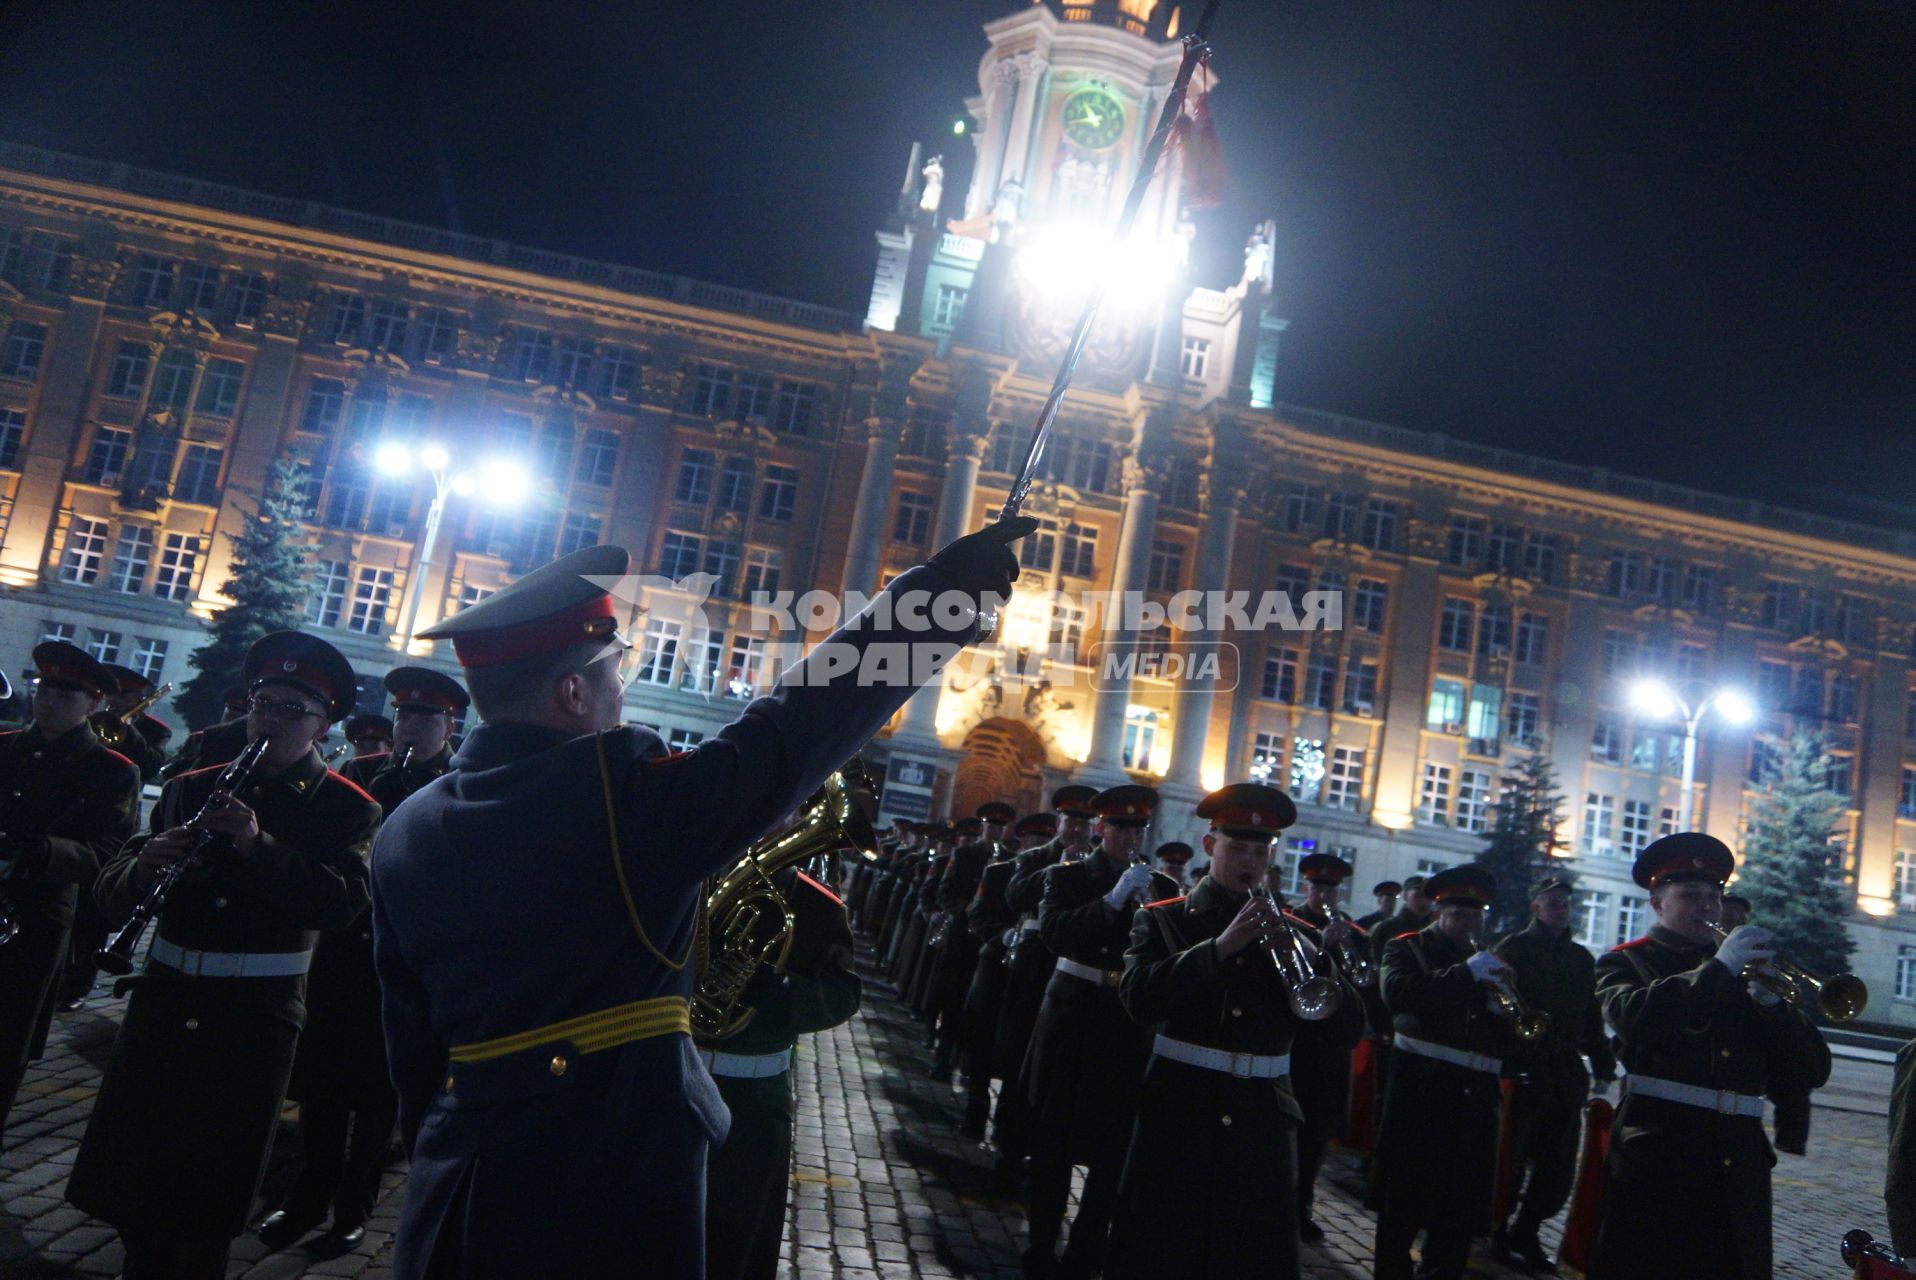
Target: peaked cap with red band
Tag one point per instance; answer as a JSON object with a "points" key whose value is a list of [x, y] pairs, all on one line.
{"points": [[968, 827], [1177, 853], [130, 680], [1037, 824], [1249, 810], [361, 727], [1324, 868], [1687, 855], [996, 811], [554, 607], [1467, 885], [1129, 805], [1075, 801], [305, 662], [424, 687], [64, 663]]}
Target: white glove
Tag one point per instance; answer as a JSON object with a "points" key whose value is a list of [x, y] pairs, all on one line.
{"points": [[1485, 966], [1764, 996], [1132, 884], [1747, 944], [1011, 937]]}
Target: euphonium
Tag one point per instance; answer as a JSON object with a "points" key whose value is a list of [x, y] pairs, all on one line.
{"points": [[1839, 997], [1526, 1024], [749, 922], [112, 729], [1312, 996]]}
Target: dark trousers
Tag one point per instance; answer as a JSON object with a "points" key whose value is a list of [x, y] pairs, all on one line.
{"points": [[32, 963], [345, 1152], [1051, 1191], [748, 1181], [1312, 1140], [90, 932], [154, 1257], [1446, 1241], [1545, 1132]]}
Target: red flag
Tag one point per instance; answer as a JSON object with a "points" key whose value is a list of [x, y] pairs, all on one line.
{"points": [[1586, 1203], [1196, 137]]}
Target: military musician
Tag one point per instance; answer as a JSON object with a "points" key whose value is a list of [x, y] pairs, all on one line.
{"points": [[537, 1021], [216, 744], [993, 930], [1702, 1043], [178, 1139], [1217, 1120], [957, 955], [1321, 1065], [66, 805], [1384, 893], [1173, 858]]}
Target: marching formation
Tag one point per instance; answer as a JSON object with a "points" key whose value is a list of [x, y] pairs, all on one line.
{"points": [[565, 970]]}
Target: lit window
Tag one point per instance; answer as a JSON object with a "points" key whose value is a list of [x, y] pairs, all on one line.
{"points": [[179, 558], [1473, 800], [1194, 358], [131, 559], [1433, 796], [911, 524], [778, 495], [328, 600], [371, 594], [660, 652], [85, 551], [149, 657], [104, 645], [26, 345], [1346, 778]]}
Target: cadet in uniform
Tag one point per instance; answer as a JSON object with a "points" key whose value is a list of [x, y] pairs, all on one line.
{"points": [[749, 1175], [369, 734], [66, 805], [991, 922], [1173, 860], [1029, 965], [184, 1121], [216, 745], [347, 1108], [1412, 915], [1702, 1045], [1437, 1150], [1217, 1120], [537, 1021], [1384, 893], [1556, 977], [144, 742], [1321, 1065], [1087, 1055], [958, 957]]}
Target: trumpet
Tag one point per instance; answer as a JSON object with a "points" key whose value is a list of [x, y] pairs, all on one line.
{"points": [[1312, 996], [112, 729], [117, 956], [1353, 958], [1527, 1024], [1860, 1246], [1839, 997]]}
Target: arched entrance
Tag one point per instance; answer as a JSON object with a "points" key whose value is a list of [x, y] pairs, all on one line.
{"points": [[1004, 760]]}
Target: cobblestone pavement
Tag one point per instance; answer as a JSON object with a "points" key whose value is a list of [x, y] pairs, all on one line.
{"points": [[883, 1186]]}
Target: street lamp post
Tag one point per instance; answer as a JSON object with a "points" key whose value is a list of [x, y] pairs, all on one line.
{"points": [[1659, 701], [499, 481]]}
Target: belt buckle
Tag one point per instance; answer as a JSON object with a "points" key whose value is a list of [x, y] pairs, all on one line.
{"points": [[1249, 1063], [1110, 977], [1726, 1102]]}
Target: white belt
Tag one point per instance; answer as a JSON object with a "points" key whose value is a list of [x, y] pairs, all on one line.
{"points": [[747, 1066], [1245, 1066], [1444, 1053], [230, 964], [1089, 973], [1027, 925], [1722, 1101]]}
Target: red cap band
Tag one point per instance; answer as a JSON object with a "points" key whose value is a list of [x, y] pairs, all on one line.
{"points": [[591, 620]]}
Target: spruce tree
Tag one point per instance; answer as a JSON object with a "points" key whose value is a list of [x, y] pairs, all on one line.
{"points": [[1786, 871], [1521, 838], [267, 586]]}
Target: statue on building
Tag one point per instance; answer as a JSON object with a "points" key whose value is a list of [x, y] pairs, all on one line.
{"points": [[934, 190], [1006, 209], [1257, 255]]}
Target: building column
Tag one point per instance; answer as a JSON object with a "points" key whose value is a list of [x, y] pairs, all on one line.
{"points": [[1106, 759], [865, 548], [1407, 676], [1030, 67], [1879, 773], [966, 454], [1192, 728], [992, 138]]}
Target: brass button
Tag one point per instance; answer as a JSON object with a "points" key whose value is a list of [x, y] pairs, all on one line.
{"points": [[559, 1064], [1237, 1013], [219, 902], [192, 1024], [448, 1084], [1723, 1053], [1726, 1162], [1227, 1119]]}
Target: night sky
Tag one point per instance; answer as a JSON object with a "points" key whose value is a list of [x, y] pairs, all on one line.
{"points": [[1671, 239]]}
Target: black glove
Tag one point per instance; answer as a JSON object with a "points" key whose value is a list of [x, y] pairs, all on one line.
{"points": [[982, 564]]}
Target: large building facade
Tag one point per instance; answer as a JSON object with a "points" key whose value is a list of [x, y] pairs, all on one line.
{"points": [[164, 341]]}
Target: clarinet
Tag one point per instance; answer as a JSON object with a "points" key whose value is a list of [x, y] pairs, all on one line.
{"points": [[117, 956]]}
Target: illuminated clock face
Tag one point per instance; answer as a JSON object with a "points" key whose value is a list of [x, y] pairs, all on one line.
{"points": [[1093, 119]]}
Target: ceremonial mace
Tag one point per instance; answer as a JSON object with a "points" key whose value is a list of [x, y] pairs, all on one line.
{"points": [[1197, 48]]}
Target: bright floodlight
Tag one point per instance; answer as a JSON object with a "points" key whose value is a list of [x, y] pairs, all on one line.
{"points": [[1654, 699], [433, 457], [463, 485], [393, 458], [504, 483], [1064, 263], [1734, 707]]}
